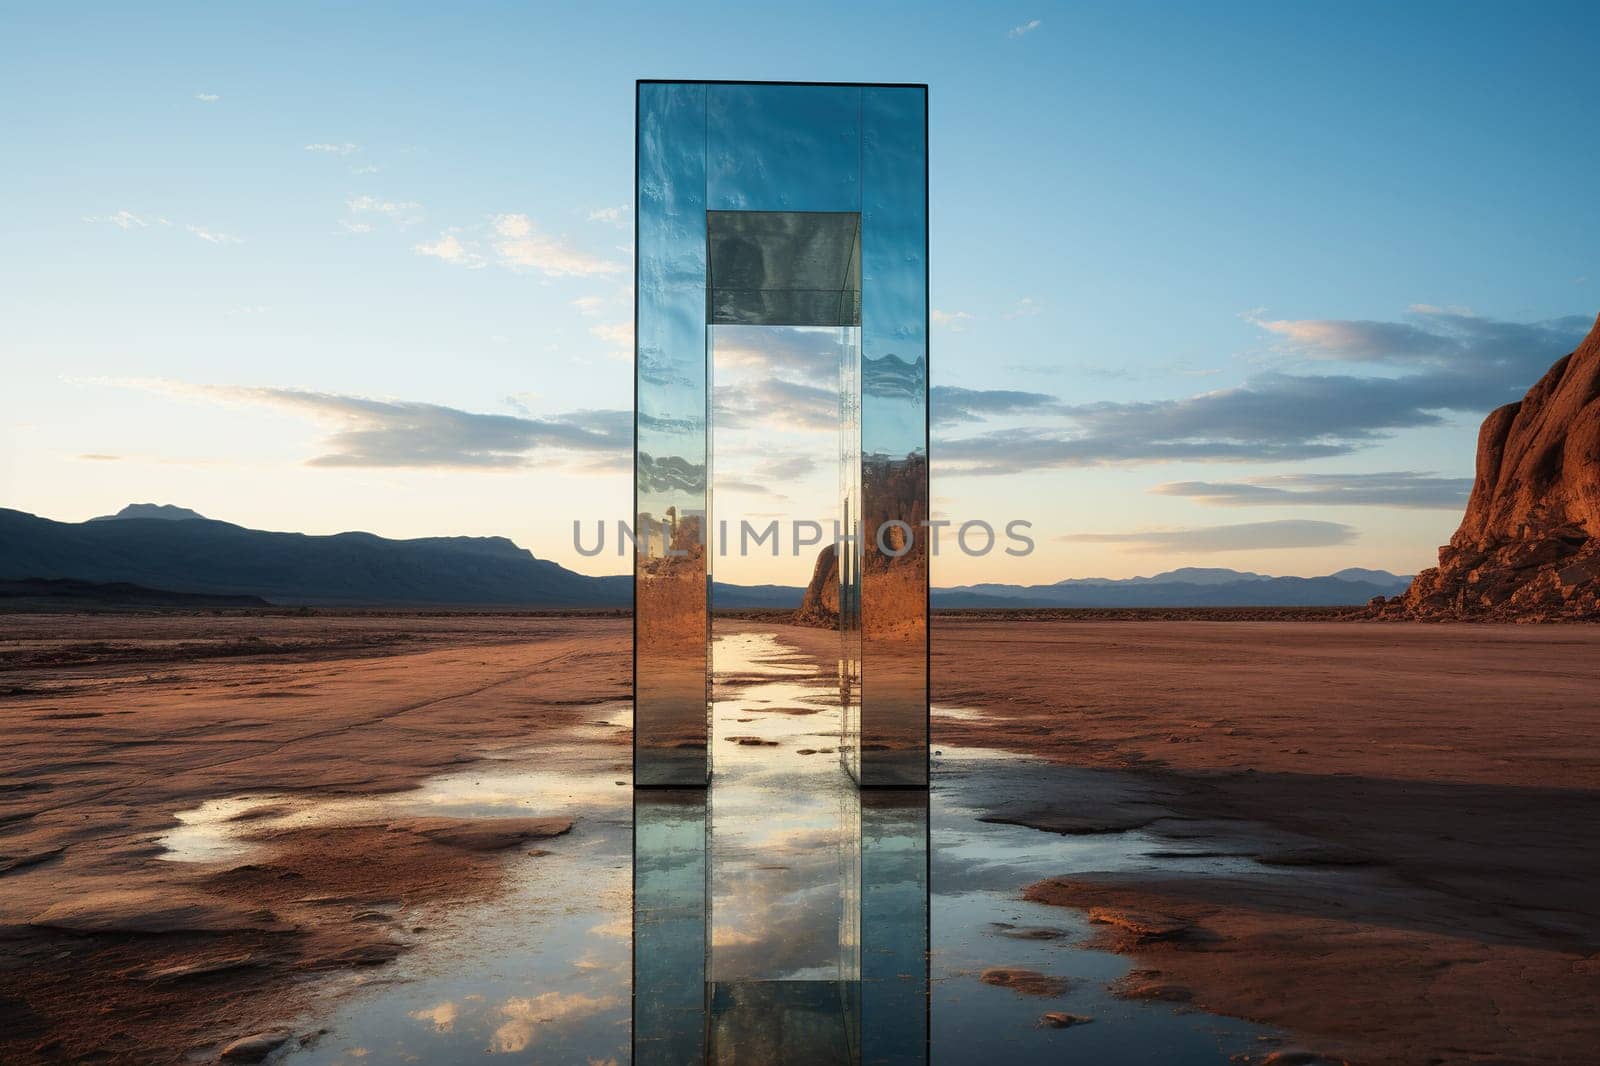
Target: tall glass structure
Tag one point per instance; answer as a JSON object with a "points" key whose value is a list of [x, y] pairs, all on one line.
{"points": [[762, 204]]}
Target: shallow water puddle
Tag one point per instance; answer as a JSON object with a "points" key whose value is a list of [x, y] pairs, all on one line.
{"points": [[502, 784], [542, 973], [980, 922]]}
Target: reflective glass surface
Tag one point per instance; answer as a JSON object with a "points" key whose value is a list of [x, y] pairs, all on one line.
{"points": [[798, 206], [670, 445], [812, 894], [893, 719], [669, 927], [783, 148]]}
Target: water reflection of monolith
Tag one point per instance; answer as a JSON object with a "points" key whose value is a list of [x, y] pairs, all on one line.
{"points": [[669, 927], [784, 205], [709, 992]]}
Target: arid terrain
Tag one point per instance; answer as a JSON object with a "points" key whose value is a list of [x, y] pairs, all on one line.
{"points": [[114, 723], [1418, 800]]}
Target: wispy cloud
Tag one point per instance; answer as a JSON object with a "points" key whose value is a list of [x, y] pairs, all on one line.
{"points": [[617, 335], [1429, 337], [331, 148], [1024, 29], [1023, 308], [773, 403], [207, 98], [520, 246], [1247, 536], [450, 248], [402, 212], [799, 354], [121, 220], [368, 432], [213, 236], [951, 404], [1396, 488], [615, 215], [368, 168], [1436, 362], [954, 321]]}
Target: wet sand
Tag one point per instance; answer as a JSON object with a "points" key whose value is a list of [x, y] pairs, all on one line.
{"points": [[1420, 801], [1415, 803], [113, 724]]}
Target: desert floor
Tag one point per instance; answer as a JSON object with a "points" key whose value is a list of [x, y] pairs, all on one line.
{"points": [[1416, 804]]}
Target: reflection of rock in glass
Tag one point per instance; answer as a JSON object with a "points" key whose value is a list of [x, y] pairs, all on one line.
{"points": [[894, 582]]}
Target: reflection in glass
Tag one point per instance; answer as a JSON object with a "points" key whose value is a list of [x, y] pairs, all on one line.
{"points": [[670, 449], [800, 206], [669, 927], [892, 934], [824, 958], [783, 147], [892, 732]]}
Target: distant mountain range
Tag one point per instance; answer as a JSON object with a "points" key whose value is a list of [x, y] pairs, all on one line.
{"points": [[1185, 587], [173, 549], [156, 548]]}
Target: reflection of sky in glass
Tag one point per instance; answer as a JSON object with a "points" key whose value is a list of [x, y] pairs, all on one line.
{"points": [[778, 818], [894, 305], [670, 435], [783, 148]]}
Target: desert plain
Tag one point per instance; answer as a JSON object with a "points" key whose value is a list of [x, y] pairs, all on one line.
{"points": [[1414, 805]]}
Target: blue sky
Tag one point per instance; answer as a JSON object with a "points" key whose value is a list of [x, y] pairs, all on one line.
{"points": [[370, 268]]}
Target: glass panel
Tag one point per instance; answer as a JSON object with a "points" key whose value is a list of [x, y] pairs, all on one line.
{"points": [[847, 547], [670, 459], [783, 148], [669, 926], [785, 268], [893, 1010], [893, 716]]}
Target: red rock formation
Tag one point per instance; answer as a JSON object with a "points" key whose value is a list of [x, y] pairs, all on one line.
{"points": [[1529, 546], [820, 606]]}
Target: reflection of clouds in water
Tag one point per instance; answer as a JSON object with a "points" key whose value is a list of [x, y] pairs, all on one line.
{"points": [[723, 936], [783, 923], [442, 1016], [526, 1014], [620, 927], [778, 817]]}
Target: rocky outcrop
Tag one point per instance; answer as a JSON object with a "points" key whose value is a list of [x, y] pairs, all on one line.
{"points": [[1529, 545], [820, 605]]}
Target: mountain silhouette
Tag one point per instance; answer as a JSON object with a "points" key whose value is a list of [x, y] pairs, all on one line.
{"points": [[200, 555], [159, 547], [151, 510]]}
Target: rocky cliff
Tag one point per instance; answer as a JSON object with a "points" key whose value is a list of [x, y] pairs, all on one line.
{"points": [[1529, 545], [820, 606]]}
